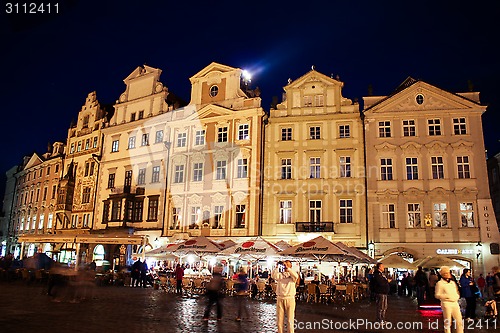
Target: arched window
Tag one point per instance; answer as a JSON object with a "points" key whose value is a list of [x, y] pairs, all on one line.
{"points": [[98, 252]]}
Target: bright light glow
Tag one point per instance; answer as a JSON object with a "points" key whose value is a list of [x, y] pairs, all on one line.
{"points": [[190, 259], [270, 262], [213, 261], [246, 75]]}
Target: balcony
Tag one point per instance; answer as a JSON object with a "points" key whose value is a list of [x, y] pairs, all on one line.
{"points": [[127, 189], [314, 227]]}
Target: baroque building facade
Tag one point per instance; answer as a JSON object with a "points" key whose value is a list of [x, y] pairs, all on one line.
{"points": [[314, 164], [426, 175]]}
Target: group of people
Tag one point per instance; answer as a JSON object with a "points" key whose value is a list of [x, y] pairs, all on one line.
{"points": [[286, 281], [443, 286], [139, 274]]}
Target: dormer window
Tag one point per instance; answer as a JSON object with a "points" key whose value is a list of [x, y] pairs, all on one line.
{"points": [[214, 90]]}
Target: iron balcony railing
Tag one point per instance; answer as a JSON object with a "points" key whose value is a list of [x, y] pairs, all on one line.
{"points": [[314, 227]]}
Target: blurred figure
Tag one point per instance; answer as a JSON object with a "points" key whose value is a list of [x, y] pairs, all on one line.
{"points": [[286, 280], [179, 274], [481, 284], [380, 287], [136, 273], [213, 294], [466, 286], [144, 274], [241, 286]]}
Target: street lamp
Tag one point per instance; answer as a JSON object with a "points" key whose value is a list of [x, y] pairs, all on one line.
{"points": [[371, 249], [478, 249]]}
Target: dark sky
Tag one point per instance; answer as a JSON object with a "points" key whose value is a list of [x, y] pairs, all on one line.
{"points": [[51, 62]]}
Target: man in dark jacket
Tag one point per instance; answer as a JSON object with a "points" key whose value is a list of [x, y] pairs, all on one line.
{"points": [[380, 287], [422, 282]]}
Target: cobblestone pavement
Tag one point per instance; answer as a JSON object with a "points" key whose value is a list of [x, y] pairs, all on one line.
{"points": [[25, 308]]}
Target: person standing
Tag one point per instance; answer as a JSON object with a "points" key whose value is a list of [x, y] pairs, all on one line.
{"points": [[422, 282], [481, 283], [241, 286], [136, 273], [380, 287], [466, 282], [447, 293], [489, 284], [179, 274], [286, 279], [144, 274], [213, 292]]}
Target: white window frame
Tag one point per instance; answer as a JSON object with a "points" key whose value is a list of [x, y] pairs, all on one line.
{"points": [[463, 167], [460, 126], [181, 139], [242, 171], [414, 215], [285, 212], [466, 214], [221, 170], [244, 132], [314, 167], [197, 172], [440, 215], [388, 215], [437, 167], [409, 127], [345, 166], [434, 127], [199, 138], [411, 168]]}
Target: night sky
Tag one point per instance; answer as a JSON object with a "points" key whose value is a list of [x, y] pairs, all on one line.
{"points": [[50, 63]]}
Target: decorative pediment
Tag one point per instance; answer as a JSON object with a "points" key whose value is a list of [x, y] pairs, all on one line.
{"points": [[142, 71], [385, 146], [421, 96], [462, 145], [411, 147], [313, 76], [413, 192], [33, 161], [466, 192], [213, 67], [218, 198], [195, 199], [210, 111], [387, 194], [439, 192], [436, 146]]}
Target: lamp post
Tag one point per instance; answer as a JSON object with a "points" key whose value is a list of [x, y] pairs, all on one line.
{"points": [[167, 145], [479, 247], [371, 249]]}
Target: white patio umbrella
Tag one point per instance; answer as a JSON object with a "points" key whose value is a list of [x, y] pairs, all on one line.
{"points": [[395, 261], [438, 261], [282, 245]]}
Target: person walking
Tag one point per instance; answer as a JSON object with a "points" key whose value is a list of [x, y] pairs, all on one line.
{"points": [[241, 286], [447, 293], [286, 279], [179, 274], [466, 286], [213, 292], [380, 287], [489, 285], [481, 284], [422, 283]]}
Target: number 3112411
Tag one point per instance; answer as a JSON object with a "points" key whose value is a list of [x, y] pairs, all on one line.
{"points": [[31, 8]]}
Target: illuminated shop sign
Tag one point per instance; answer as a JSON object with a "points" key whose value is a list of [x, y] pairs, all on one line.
{"points": [[454, 251]]}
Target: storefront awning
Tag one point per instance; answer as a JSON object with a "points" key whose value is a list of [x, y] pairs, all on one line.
{"points": [[46, 239], [103, 239]]}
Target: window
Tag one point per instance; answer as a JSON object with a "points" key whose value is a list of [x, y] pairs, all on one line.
{"points": [[315, 211], [48, 171], [214, 90], [463, 167], [388, 216], [131, 142], [459, 126], [198, 172], [114, 146], [315, 167], [87, 144], [54, 191], [94, 145], [128, 178], [79, 148], [37, 195], [200, 138], [86, 195], [307, 100], [222, 134], [318, 100], [92, 166], [40, 223], [33, 224], [414, 220], [386, 168], [105, 212], [45, 190], [74, 221], [85, 122], [286, 168], [141, 178], [384, 129], [176, 217], [409, 128], [86, 218], [153, 209], [145, 139], [243, 132], [116, 208], [57, 168], [467, 214], [434, 126], [181, 139], [72, 150], [49, 221], [138, 211], [155, 177], [242, 168], [159, 136], [221, 170], [411, 168], [195, 217], [437, 167], [346, 211], [132, 116], [141, 114], [286, 134], [345, 166], [314, 132], [87, 169], [344, 131], [179, 174], [111, 180], [285, 212], [218, 216], [440, 215], [419, 99], [240, 216]]}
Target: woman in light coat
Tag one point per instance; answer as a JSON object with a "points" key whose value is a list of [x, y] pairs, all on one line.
{"points": [[447, 292]]}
